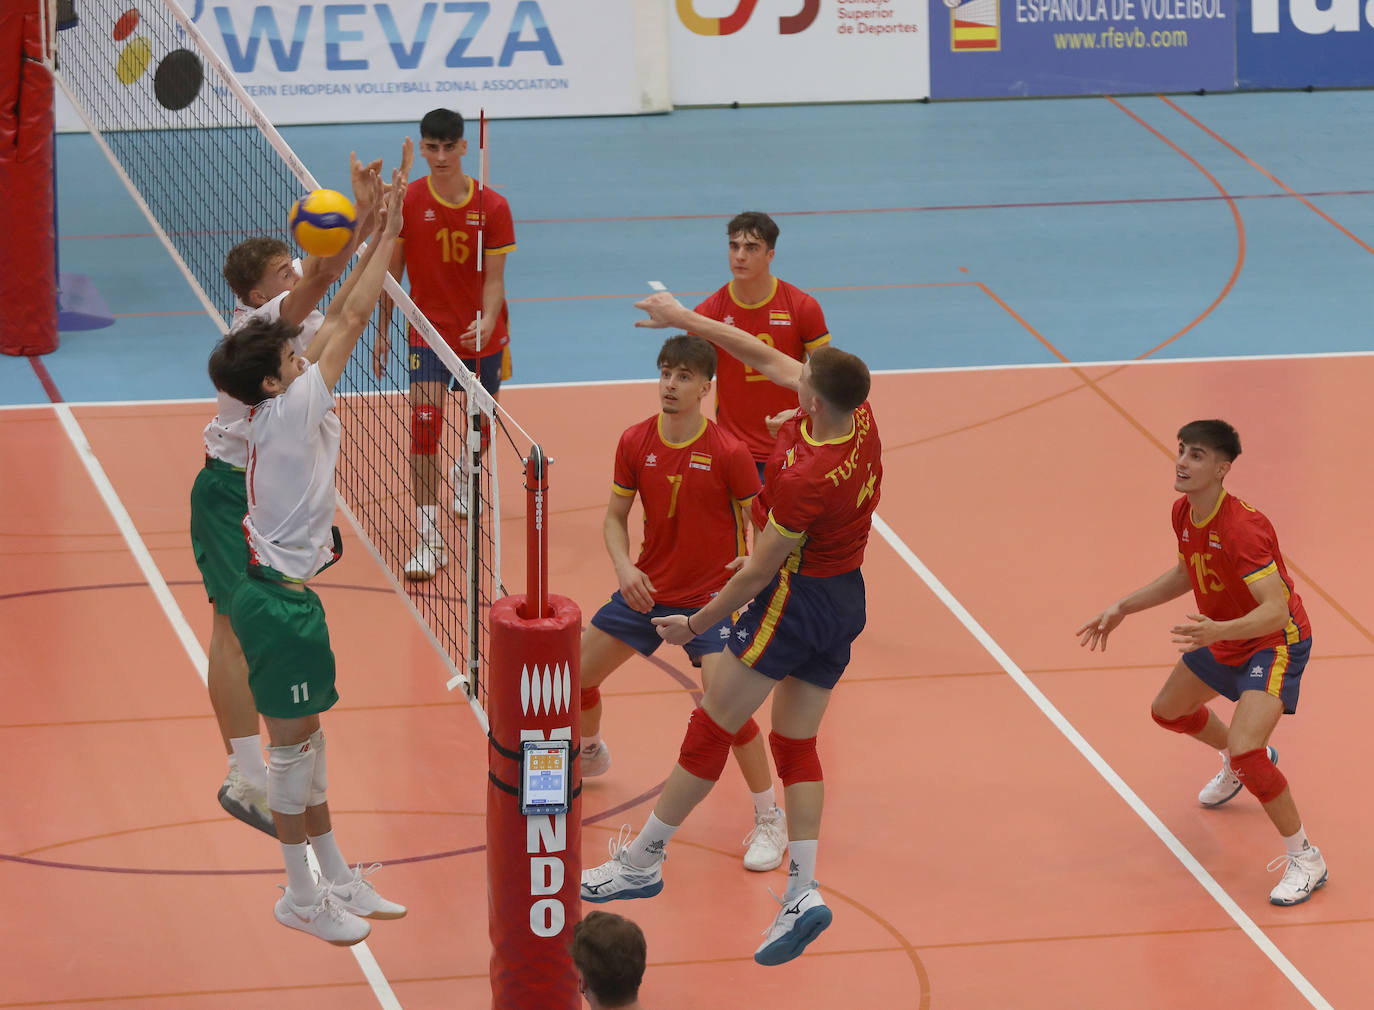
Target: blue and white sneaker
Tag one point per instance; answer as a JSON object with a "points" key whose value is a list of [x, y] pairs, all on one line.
{"points": [[1302, 876], [1226, 783], [618, 878], [803, 918]]}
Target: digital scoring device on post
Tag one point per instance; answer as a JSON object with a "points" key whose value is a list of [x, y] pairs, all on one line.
{"points": [[545, 776]]}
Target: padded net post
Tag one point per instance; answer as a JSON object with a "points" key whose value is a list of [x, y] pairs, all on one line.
{"points": [[28, 268]]}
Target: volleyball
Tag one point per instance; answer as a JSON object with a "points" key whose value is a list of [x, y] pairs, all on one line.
{"points": [[322, 222]]}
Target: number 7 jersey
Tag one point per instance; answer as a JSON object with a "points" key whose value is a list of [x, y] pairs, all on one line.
{"points": [[1233, 547]]}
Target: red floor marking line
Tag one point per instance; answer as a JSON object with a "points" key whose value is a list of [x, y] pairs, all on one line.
{"points": [[1235, 215], [41, 370]]}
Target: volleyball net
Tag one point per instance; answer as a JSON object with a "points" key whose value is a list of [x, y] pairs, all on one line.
{"points": [[208, 169]]}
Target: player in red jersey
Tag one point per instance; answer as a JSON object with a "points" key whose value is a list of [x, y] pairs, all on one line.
{"points": [[694, 481], [823, 483], [777, 313], [1249, 641], [439, 248]]}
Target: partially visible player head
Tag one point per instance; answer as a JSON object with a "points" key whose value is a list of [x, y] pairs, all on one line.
{"points": [[753, 235], [686, 366], [441, 141], [1206, 450], [258, 269], [840, 379], [256, 362], [609, 954]]}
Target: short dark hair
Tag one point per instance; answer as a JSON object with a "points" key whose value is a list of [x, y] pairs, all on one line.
{"points": [[252, 353], [754, 222], [441, 124], [1216, 435], [609, 951], [840, 378], [245, 264], [691, 352]]}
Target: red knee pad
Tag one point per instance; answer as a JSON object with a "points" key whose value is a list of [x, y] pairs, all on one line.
{"points": [[486, 433], [747, 733], [706, 747], [426, 427], [1258, 774], [797, 760], [591, 697], [1190, 724]]}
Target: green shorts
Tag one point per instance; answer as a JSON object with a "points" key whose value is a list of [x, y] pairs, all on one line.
{"points": [[219, 501], [286, 642]]}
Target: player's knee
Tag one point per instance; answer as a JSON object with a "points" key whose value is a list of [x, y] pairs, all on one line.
{"points": [[746, 734], [796, 760], [290, 772], [591, 697], [426, 428], [1190, 724], [706, 746], [1258, 774], [319, 777]]}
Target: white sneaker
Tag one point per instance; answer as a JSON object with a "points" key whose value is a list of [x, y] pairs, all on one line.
{"points": [[803, 918], [595, 760], [357, 895], [1301, 876], [460, 492], [617, 878], [1226, 783], [246, 802], [767, 842], [325, 918], [425, 562]]}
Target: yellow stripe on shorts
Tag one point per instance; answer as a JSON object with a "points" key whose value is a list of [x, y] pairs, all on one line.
{"points": [[1274, 686], [769, 623]]}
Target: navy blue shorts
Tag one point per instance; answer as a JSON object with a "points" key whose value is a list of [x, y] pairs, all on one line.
{"points": [[425, 366], [621, 621], [1276, 671], [802, 626]]}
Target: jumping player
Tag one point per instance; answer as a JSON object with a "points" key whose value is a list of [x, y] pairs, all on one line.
{"points": [[293, 445], [823, 483], [439, 247], [1249, 641], [694, 481]]}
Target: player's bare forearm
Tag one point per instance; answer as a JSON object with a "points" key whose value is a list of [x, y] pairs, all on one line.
{"points": [[1169, 586], [666, 311], [1269, 615], [771, 549]]}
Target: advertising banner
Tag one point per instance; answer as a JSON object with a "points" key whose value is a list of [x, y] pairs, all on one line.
{"points": [[1305, 43], [393, 61], [1003, 48], [760, 51]]}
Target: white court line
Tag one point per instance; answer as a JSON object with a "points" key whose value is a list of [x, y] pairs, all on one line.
{"points": [[1171, 842], [381, 988]]}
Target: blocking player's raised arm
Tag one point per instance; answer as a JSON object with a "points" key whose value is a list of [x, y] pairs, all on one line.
{"points": [[666, 311]]}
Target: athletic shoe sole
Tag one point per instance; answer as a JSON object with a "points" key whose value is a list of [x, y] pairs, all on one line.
{"points": [[648, 891], [292, 923], [1298, 901], [248, 815], [812, 924]]}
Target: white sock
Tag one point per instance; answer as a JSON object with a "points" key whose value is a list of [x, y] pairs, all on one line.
{"points": [[427, 519], [647, 850], [332, 863], [233, 761], [1225, 756], [1297, 843], [764, 801], [300, 879], [248, 757], [801, 866], [591, 741]]}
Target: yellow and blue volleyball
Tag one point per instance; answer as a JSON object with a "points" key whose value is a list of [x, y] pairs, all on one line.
{"points": [[322, 222]]}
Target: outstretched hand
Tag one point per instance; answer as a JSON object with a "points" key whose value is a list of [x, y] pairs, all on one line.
{"points": [[1094, 633], [664, 311]]}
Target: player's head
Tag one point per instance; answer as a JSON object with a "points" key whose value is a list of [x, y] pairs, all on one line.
{"points": [[256, 362], [1206, 450], [258, 269], [752, 237], [838, 378], [441, 141], [686, 366], [609, 952]]}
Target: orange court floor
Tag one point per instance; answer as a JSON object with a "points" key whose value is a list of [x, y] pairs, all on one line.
{"points": [[1005, 826]]}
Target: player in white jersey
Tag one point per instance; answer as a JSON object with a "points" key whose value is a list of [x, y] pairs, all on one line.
{"points": [[293, 444], [267, 284]]}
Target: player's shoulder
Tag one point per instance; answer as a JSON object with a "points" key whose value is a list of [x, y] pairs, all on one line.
{"points": [[641, 430], [1239, 512], [711, 306], [723, 441], [794, 294]]}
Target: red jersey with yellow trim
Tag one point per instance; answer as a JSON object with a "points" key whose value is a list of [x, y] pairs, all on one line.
{"points": [[822, 494], [440, 243], [1224, 554], [694, 494], [788, 319]]}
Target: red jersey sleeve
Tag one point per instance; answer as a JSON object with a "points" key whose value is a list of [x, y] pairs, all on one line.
{"points": [[500, 228], [811, 322], [1252, 548], [742, 476], [625, 475]]}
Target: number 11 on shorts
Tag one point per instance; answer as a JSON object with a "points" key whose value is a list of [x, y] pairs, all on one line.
{"points": [[300, 692]]}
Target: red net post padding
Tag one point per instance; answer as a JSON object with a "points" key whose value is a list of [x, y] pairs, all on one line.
{"points": [[534, 864], [28, 265]]}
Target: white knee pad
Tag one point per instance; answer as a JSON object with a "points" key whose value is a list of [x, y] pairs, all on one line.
{"points": [[319, 780], [290, 771]]}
